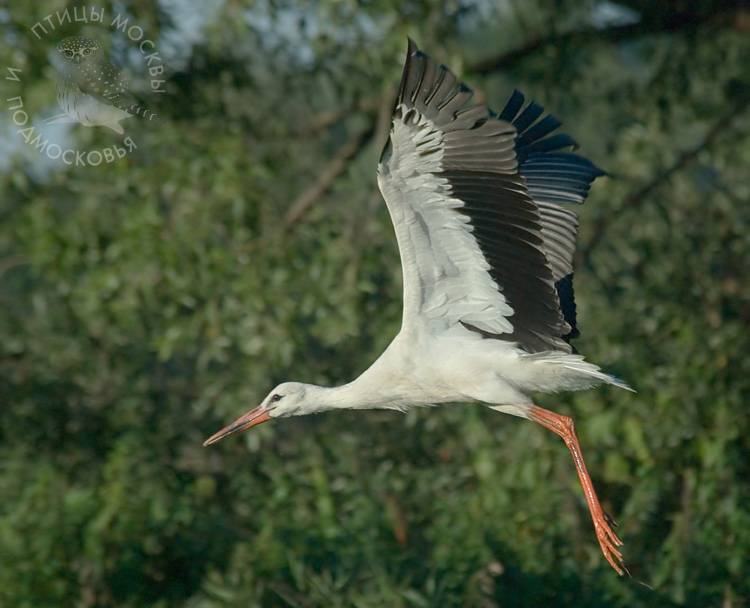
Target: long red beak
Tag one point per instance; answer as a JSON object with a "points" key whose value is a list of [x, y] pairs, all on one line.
{"points": [[254, 417]]}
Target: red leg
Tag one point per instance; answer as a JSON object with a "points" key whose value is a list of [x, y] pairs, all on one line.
{"points": [[563, 426]]}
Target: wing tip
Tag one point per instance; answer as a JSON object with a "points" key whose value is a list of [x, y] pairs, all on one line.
{"points": [[412, 53]]}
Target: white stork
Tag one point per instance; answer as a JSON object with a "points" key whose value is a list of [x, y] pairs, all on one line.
{"points": [[482, 208]]}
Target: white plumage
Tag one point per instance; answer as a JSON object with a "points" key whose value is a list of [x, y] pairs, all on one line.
{"points": [[480, 204], [445, 275]]}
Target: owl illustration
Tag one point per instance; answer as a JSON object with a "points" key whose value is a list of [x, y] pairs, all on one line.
{"points": [[90, 90]]}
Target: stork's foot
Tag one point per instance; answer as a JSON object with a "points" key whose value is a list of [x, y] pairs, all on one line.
{"points": [[608, 540]]}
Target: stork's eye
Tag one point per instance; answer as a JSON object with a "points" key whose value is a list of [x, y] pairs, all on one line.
{"points": [[276, 397]]}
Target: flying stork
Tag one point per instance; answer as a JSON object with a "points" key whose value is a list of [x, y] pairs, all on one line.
{"points": [[483, 209]]}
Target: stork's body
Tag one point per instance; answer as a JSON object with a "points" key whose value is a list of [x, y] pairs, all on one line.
{"points": [[481, 206], [422, 369]]}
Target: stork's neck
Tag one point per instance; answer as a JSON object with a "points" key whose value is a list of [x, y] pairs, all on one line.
{"points": [[346, 396], [374, 389], [384, 385]]}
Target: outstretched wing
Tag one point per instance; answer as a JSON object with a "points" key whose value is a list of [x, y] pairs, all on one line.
{"points": [[557, 180], [470, 231]]}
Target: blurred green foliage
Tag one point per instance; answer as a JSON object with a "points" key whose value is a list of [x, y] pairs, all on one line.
{"points": [[147, 302]]}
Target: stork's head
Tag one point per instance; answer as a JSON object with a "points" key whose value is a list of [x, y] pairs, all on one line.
{"points": [[287, 399]]}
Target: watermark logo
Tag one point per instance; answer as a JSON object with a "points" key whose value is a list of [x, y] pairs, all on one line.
{"points": [[89, 90]]}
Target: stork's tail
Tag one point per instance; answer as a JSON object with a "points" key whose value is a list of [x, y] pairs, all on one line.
{"points": [[566, 372]]}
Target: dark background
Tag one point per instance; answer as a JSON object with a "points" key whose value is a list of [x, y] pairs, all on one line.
{"points": [[147, 302]]}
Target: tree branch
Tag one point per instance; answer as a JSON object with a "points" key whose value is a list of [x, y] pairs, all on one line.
{"points": [[324, 120], [335, 167], [640, 195], [658, 22], [11, 262], [384, 116]]}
